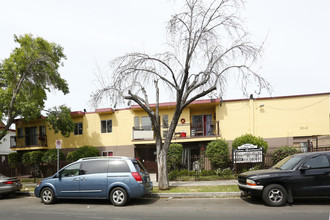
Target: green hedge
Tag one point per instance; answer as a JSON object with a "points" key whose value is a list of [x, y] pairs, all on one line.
{"points": [[250, 139], [282, 152]]}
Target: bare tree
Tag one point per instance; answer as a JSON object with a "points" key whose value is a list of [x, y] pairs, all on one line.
{"points": [[206, 44]]}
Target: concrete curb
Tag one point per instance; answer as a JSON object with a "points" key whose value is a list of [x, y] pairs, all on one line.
{"points": [[196, 195]]}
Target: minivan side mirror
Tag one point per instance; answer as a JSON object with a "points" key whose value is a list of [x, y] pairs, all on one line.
{"points": [[58, 175]]}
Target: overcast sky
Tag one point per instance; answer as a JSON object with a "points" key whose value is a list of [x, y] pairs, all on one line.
{"points": [[295, 59]]}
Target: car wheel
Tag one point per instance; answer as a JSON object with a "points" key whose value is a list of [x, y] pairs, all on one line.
{"points": [[275, 195], [47, 196], [118, 196]]}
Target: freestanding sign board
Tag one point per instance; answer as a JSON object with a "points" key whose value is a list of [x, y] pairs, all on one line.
{"points": [[248, 153]]}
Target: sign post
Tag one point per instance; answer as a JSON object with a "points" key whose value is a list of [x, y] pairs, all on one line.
{"points": [[58, 144]]}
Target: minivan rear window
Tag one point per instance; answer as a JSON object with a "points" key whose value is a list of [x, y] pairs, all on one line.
{"points": [[118, 166], [94, 166], [139, 167]]}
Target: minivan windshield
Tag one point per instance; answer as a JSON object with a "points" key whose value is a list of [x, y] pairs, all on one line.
{"points": [[288, 163]]}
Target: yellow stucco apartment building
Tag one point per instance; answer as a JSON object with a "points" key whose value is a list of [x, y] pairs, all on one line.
{"points": [[301, 120]]}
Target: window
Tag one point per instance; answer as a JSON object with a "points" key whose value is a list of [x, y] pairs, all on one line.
{"points": [[165, 121], [107, 153], [118, 166], [318, 162], [137, 122], [31, 136], [42, 131], [106, 126], [78, 129], [146, 123], [94, 166], [139, 167], [20, 133], [72, 170]]}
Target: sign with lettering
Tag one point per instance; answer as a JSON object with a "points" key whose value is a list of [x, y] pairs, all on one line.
{"points": [[248, 153]]}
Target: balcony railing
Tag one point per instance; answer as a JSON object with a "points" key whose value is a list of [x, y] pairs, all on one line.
{"points": [[27, 141], [185, 130]]}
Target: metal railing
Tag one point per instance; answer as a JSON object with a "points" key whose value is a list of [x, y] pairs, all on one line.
{"points": [[183, 130], [28, 140]]}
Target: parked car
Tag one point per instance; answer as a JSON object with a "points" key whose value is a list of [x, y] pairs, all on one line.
{"points": [[9, 185], [299, 175], [114, 178]]}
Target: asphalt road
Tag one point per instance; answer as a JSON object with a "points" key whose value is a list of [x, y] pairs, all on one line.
{"points": [[18, 207]]}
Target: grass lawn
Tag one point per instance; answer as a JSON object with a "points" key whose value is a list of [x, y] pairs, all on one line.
{"points": [[193, 189]]}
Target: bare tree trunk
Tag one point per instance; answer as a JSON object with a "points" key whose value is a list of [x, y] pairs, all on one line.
{"points": [[163, 183]]}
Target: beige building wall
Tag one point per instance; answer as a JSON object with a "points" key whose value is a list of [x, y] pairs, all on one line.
{"points": [[276, 118]]}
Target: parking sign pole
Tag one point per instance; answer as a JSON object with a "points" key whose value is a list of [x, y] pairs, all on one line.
{"points": [[58, 159], [58, 145]]}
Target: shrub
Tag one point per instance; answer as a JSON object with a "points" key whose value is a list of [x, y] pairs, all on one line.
{"points": [[85, 151], [218, 153], [33, 160], [225, 173], [173, 175], [50, 156], [250, 139], [14, 159], [282, 152], [174, 156]]}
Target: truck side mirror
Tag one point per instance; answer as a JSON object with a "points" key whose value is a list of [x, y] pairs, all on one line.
{"points": [[304, 167]]}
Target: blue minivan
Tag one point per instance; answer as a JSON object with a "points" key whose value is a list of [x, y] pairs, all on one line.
{"points": [[114, 178]]}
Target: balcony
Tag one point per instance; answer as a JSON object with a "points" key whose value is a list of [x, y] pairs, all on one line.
{"points": [[27, 141], [185, 130], [143, 133]]}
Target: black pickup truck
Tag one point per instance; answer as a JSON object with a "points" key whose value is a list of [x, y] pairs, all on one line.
{"points": [[299, 175]]}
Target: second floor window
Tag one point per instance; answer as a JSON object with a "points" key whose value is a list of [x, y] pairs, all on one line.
{"points": [[106, 126], [146, 123], [42, 131], [78, 129], [20, 133]]}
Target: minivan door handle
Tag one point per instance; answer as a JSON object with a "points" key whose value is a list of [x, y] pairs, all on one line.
{"points": [[75, 179], [83, 179]]}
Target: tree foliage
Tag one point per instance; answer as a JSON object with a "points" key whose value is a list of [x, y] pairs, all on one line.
{"points": [[30, 71], [250, 139], [207, 44], [174, 155], [59, 120], [218, 153], [81, 152], [282, 152]]}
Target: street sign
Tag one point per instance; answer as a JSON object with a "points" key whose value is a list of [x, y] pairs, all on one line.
{"points": [[58, 144]]}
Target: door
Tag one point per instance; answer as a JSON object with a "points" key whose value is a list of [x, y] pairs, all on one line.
{"points": [[202, 125], [313, 178], [93, 179], [67, 185]]}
